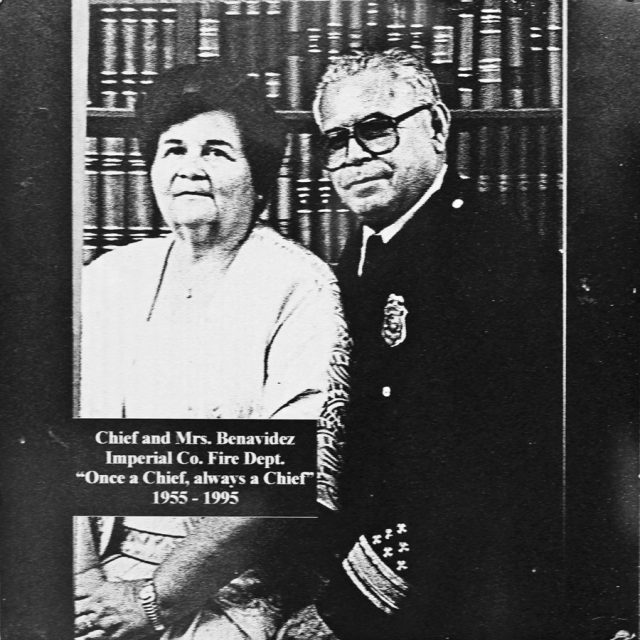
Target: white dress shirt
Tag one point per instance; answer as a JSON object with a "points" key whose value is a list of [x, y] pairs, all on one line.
{"points": [[391, 230]]}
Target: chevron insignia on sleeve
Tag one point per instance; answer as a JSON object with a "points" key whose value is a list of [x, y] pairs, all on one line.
{"points": [[374, 578]]}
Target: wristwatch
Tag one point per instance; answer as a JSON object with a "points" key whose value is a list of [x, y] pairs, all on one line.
{"points": [[148, 598]]}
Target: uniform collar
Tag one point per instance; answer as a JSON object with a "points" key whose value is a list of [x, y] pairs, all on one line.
{"points": [[391, 230]]}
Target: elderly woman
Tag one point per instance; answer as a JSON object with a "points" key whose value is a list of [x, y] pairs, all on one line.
{"points": [[224, 318]]}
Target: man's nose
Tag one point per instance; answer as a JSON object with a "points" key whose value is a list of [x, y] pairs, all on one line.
{"points": [[356, 153]]}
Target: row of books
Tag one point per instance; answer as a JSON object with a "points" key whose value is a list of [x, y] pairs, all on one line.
{"points": [[120, 208], [485, 53], [516, 167]]}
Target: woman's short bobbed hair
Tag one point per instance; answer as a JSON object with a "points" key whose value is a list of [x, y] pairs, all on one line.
{"points": [[186, 91]]}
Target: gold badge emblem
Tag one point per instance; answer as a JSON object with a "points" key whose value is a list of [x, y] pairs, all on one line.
{"points": [[394, 324]]}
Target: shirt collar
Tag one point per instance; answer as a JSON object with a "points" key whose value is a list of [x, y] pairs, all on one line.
{"points": [[391, 230]]}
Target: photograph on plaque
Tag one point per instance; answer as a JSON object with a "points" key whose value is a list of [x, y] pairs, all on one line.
{"points": [[344, 211]]}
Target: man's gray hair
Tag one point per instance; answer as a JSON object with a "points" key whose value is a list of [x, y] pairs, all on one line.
{"points": [[400, 64]]}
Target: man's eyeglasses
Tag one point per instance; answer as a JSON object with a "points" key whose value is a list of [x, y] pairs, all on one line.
{"points": [[377, 134]]}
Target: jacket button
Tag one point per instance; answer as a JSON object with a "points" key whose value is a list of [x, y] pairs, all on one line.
{"points": [[386, 392]]}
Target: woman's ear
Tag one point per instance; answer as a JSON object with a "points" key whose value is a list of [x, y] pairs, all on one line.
{"points": [[440, 122]]}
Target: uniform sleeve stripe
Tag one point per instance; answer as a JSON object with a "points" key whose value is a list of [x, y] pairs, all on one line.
{"points": [[382, 586], [369, 593]]}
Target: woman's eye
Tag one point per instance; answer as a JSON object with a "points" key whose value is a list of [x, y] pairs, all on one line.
{"points": [[174, 151], [216, 152]]}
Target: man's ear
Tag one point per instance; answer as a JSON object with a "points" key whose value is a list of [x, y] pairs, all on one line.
{"points": [[440, 122]]}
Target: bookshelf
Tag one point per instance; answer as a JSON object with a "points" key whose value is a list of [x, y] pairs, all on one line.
{"points": [[498, 63]]}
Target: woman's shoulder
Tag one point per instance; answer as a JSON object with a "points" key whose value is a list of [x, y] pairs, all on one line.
{"points": [[132, 256], [288, 258]]}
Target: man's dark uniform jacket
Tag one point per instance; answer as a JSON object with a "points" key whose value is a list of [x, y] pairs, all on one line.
{"points": [[453, 458]]}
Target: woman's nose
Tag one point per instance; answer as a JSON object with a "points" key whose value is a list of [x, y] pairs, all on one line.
{"points": [[192, 167]]}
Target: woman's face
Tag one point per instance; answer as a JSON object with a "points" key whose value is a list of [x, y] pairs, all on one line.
{"points": [[201, 177]]}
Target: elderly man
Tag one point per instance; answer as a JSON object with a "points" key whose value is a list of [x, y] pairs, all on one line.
{"points": [[452, 481]]}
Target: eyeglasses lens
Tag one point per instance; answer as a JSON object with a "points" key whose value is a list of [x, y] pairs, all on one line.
{"points": [[375, 133], [377, 136]]}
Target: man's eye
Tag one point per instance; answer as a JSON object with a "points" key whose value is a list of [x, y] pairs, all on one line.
{"points": [[373, 129], [336, 141], [174, 151]]}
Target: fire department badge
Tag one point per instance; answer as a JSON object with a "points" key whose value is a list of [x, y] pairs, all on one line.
{"points": [[394, 324]]}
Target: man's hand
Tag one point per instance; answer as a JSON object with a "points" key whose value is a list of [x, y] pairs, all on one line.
{"points": [[109, 610]]}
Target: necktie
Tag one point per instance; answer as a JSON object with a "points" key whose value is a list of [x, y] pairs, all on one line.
{"points": [[372, 254]]}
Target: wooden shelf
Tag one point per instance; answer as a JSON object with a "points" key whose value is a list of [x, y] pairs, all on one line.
{"points": [[122, 122], [507, 114], [144, 2]]}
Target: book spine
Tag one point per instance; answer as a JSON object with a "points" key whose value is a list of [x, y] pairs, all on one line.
{"points": [[554, 52], [208, 31], [91, 246], [272, 30], [139, 197], [253, 40], [463, 152], [536, 81], [340, 220], [542, 180], [504, 181], [294, 62], [186, 33], [130, 26], [233, 35], [486, 155], [304, 189], [523, 181], [112, 189], [109, 49], [490, 55], [344, 226], [284, 193], [95, 62], [324, 231], [150, 50], [442, 51], [464, 53], [168, 32], [355, 32], [335, 29], [418, 28], [441, 46], [316, 58], [514, 49], [374, 33], [557, 184], [397, 24]]}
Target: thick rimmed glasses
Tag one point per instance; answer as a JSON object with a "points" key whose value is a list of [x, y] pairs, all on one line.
{"points": [[377, 134]]}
